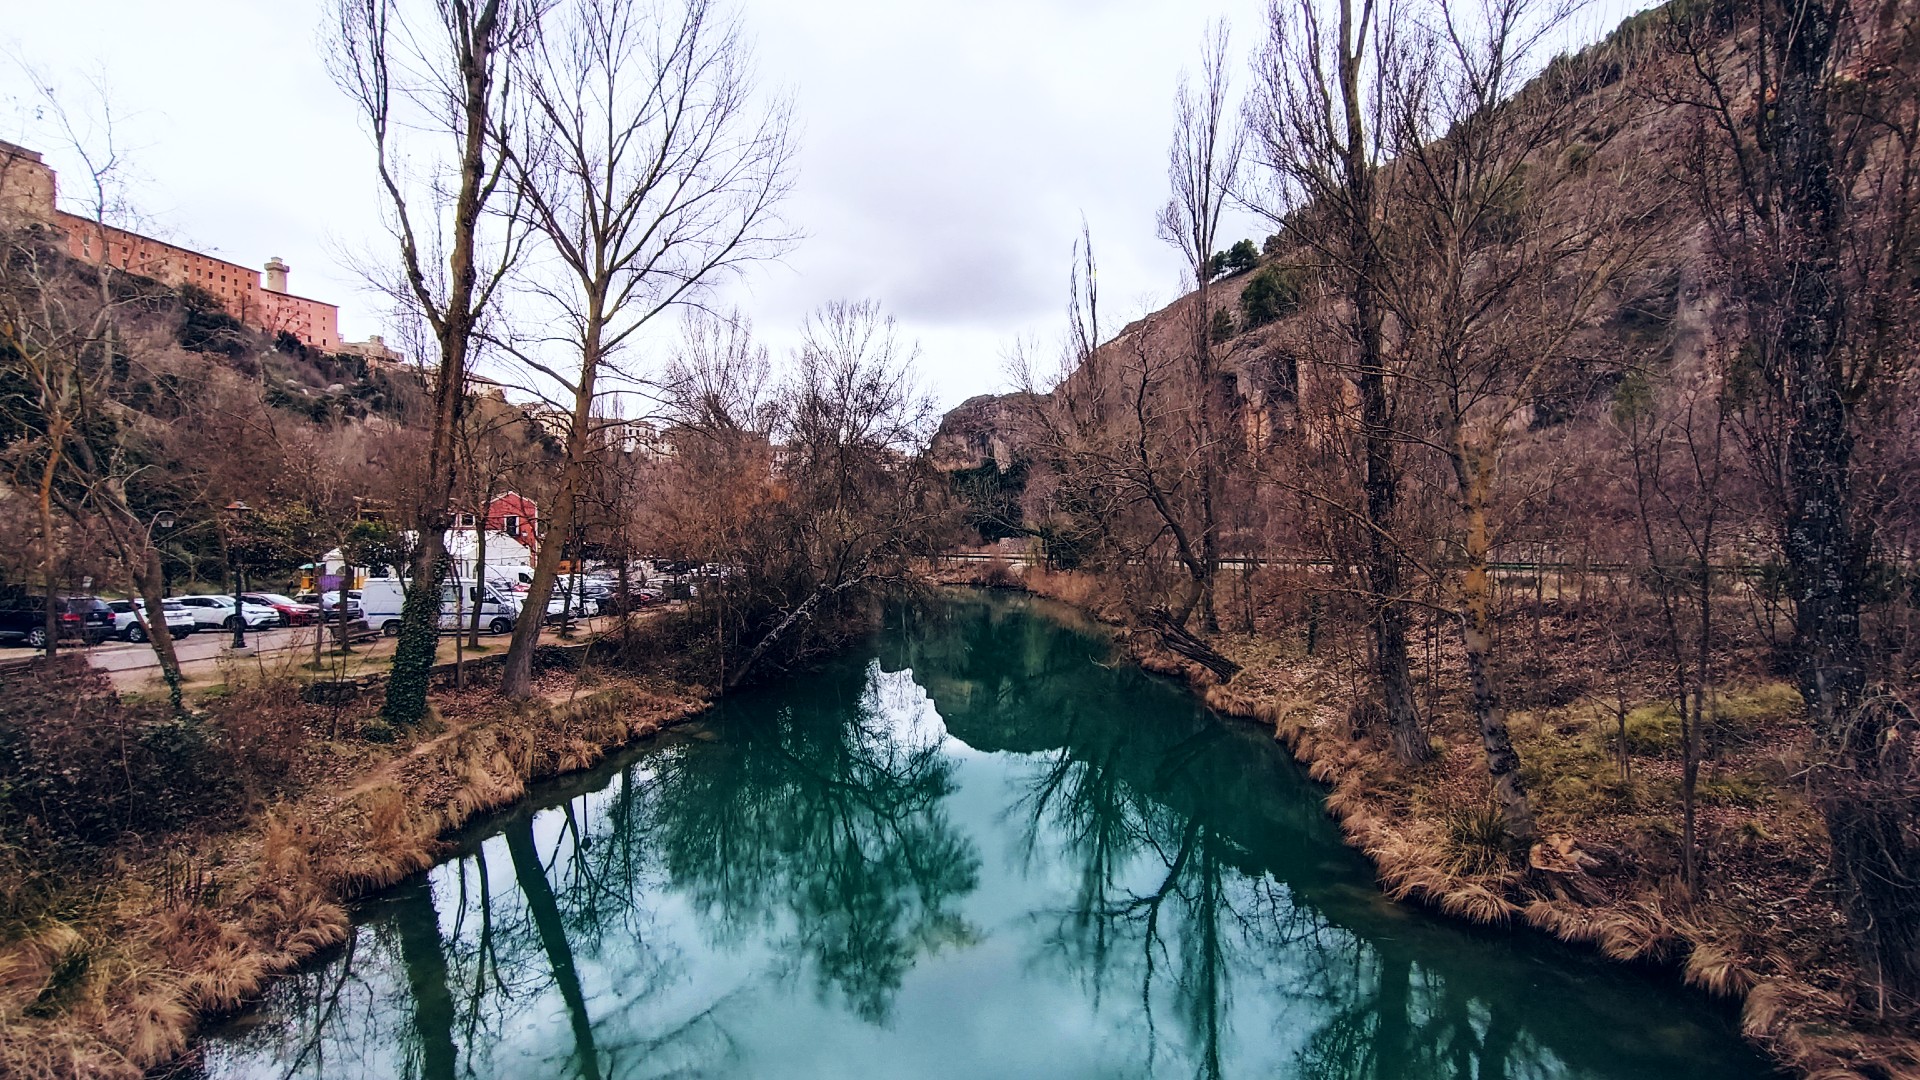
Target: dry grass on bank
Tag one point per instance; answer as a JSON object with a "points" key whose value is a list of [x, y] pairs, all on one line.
{"points": [[1767, 928], [112, 971]]}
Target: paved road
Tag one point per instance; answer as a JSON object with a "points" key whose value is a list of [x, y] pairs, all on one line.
{"points": [[201, 645]]}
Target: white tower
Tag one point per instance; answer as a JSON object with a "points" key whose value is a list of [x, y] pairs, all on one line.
{"points": [[276, 275]]}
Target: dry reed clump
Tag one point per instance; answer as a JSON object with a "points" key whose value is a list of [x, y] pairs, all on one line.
{"points": [[152, 1023], [1090, 593], [1232, 703], [29, 963], [388, 843], [220, 967], [997, 574], [1714, 969]]}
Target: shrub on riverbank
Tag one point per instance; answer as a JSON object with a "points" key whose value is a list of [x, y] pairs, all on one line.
{"points": [[82, 772]]}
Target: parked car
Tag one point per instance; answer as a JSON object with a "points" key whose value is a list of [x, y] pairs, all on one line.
{"points": [[292, 612], [126, 619], [323, 603], [510, 578], [23, 617], [583, 605], [214, 610], [617, 603]]}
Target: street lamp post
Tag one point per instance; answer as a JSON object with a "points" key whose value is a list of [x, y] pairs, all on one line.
{"points": [[235, 511]]}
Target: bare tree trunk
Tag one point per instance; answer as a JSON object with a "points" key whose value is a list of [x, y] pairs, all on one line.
{"points": [[1476, 633], [147, 579], [341, 620], [479, 567], [516, 678], [320, 621], [1209, 480], [1801, 224], [1385, 583], [644, 191], [1202, 165], [49, 614], [1314, 128]]}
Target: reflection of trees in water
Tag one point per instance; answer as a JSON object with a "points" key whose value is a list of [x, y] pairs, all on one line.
{"points": [[425, 962], [815, 819], [1193, 925], [1389, 1018], [409, 999], [1170, 901], [1120, 803], [1176, 833]]}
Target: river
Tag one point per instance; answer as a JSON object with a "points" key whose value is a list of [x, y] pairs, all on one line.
{"points": [[976, 847]]}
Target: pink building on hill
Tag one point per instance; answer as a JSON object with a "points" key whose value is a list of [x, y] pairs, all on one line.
{"points": [[28, 188]]}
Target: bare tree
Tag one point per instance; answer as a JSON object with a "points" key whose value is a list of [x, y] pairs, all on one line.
{"points": [[650, 168], [1500, 258], [431, 81], [1319, 118], [495, 443], [809, 493], [1678, 472], [1123, 460], [1203, 166]]}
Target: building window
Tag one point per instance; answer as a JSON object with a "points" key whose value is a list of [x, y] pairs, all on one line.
{"points": [[465, 521], [511, 526]]}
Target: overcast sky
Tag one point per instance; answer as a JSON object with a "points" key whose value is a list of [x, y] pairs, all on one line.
{"points": [[948, 150]]}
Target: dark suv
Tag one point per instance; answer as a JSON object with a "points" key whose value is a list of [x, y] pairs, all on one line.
{"points": [[23, 617]]}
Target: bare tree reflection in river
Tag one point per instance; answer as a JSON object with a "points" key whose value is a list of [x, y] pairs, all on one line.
{"points": [[819, 822]]}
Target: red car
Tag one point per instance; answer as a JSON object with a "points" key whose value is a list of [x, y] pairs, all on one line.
{"points": [[292, 612]]}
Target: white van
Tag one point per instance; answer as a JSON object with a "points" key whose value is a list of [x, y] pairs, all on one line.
{"points": [[510, 578], [382, 599]]}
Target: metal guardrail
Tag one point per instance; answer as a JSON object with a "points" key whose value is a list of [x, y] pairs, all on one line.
{"points": [[1294, 563]]}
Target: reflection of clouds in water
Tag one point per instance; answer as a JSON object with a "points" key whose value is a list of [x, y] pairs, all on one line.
{"points": [[906, 711]]}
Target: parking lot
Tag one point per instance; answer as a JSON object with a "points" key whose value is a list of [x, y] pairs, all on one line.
{"points": [[277, 651]]}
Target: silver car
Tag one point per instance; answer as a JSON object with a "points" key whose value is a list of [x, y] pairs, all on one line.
{"points": [[217, 610]]}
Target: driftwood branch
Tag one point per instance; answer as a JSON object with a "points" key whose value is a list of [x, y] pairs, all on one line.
{"points": [[1180, 640]]}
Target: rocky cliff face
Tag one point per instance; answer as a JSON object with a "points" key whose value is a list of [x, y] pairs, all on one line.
{"points": [[988, 429]]}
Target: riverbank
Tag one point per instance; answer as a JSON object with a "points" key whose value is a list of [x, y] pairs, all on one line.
{"points": [[115, 976], [1766, 930]]}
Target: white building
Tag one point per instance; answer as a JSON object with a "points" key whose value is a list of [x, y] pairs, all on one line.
{"points": [[507, 557]]}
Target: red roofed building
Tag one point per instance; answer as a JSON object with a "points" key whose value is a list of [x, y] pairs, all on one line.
{"points": [[511, 514]]}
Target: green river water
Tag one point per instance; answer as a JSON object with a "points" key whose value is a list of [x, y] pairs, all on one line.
{"points": [[976, 847]]}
